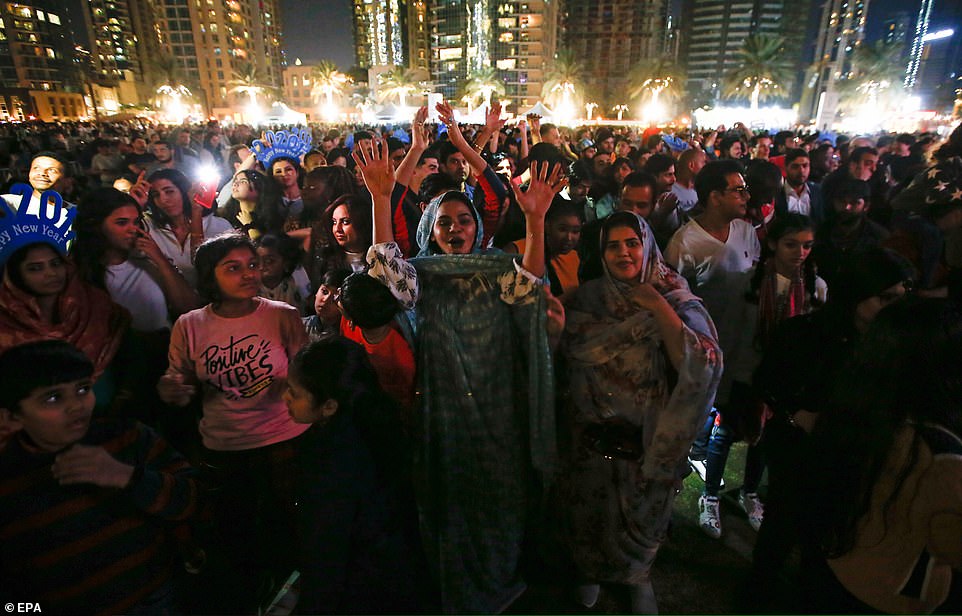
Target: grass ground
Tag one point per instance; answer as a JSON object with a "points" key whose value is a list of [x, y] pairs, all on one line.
{"points": [[693, 573]]}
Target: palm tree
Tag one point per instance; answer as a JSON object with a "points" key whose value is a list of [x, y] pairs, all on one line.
{"points": [[761, 72], [563, 79], [328, 81], [250, 80], [483, 83], [876, 70], [660, 76], [170, 85], [401, 82]]}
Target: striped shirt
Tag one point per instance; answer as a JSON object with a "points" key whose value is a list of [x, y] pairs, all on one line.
{"points": [[87, 549]]}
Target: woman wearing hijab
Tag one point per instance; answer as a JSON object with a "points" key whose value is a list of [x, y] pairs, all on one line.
{"points": [[631, 429], [485, 444]]}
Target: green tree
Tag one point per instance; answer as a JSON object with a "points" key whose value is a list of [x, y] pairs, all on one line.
{"points": [[876, 75], [401, 82], [328, 82], [249, 79], [563, 80], [170, 85], [659, 76], [482, 83], [762, 72]]}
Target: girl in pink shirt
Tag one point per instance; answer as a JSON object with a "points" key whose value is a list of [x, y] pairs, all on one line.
{"points": [[234, 353]]}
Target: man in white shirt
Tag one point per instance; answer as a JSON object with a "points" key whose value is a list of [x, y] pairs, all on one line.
{"points": [[716, 252]]}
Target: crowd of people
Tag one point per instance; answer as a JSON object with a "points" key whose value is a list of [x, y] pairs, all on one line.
{"points": [[362, 369]]}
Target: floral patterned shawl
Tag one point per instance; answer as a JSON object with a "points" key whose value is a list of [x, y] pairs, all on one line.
{"points": [[612, 346]]}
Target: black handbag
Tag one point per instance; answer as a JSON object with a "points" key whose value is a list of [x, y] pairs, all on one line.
{"points": [[614, 440]]}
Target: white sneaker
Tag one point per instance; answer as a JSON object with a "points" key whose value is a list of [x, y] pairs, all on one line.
{"points": [[588, 594], [753, 507], [709, 517]]}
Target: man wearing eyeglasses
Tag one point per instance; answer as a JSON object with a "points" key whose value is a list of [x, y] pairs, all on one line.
{"points": [[716, 252]]}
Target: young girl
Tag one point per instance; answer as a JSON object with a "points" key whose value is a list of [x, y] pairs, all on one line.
{"points": [[235, 352], [279, 257], [114, 253], [42, 297], [176, 222], [784, 285], [357, 521], [326, 320], [248, 210], [346, 229]]}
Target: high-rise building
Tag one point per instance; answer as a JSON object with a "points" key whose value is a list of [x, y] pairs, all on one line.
{"points": [[380, 32], [116, 57], [391, 33], [205, 44], [715, 30], [918, 43], [841, 30], [895, 29], [419, 49], [611, 37], [37, 74], [940, 70], [518, 38]]}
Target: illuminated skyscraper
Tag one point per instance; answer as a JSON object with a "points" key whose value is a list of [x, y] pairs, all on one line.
{"points": [[518, 38], [918, 43], [37, 74], [611, 37], [207, 42], [380, 35], [715, 30], [391, 33], [841, 30]]}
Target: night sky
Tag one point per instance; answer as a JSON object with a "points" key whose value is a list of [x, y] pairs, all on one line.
{"points": [[318, 30]]}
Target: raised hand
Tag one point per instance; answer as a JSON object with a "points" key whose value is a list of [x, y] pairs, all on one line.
{"points": [[492, 117], [419, 134], [140, 190], [534, 121], [446, 114], [146, 244], [646, 296], [375, 168], [667, 201], [541, 189]]}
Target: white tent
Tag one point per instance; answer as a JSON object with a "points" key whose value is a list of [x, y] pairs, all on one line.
{"points": [[280, 113], [539, 109]]}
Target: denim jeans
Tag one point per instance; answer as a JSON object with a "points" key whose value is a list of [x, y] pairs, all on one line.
{"points": [[719, 444], [699, 448]]}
